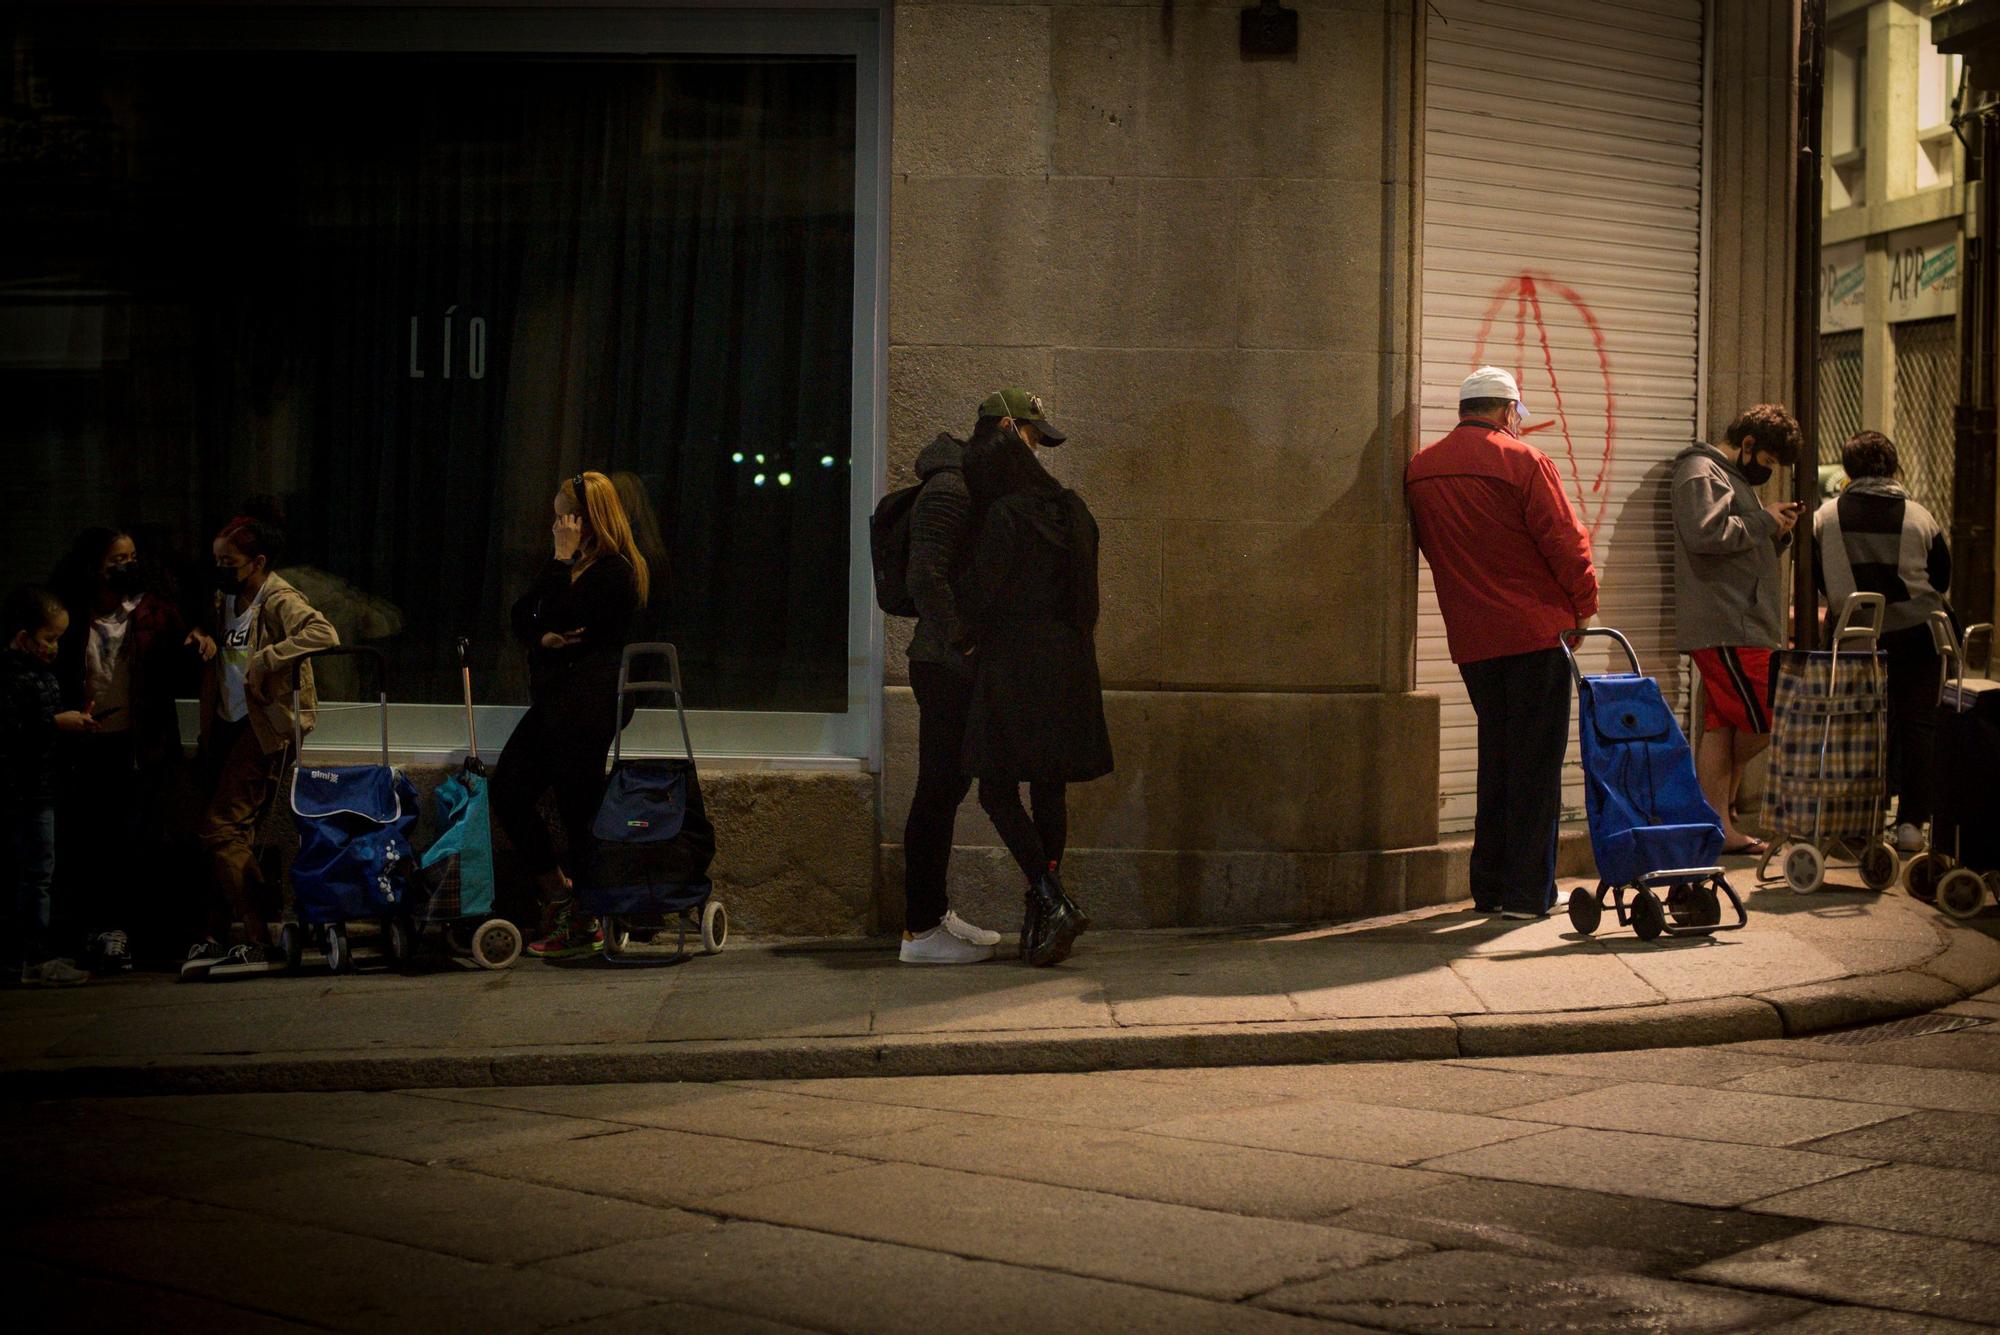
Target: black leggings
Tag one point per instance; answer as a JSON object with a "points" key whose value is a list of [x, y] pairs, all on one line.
{"points": [[1036, 842], [561, 745]]}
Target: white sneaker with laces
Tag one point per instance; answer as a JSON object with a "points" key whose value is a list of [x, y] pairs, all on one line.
{"points": [[941, 945], [965, 931], [1909, 838]]}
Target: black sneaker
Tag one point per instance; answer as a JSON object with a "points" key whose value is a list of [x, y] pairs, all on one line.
{"points": [[201, 957], [112, 949], [248, 959]]}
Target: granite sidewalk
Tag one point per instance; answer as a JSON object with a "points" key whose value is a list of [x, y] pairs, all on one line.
{"points": [[1833, 1186], [1435, 983]]}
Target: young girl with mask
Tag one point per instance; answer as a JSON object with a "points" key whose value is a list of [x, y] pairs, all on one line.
{"points": [[124, 661], [574, 622], [261, 630], [31, 717]]}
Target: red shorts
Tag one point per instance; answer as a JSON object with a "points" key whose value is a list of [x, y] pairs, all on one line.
{"points": [[1735, 684]]}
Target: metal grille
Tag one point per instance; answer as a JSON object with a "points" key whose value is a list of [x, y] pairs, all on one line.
{"points": [[1916, 1026], [1926, 390], [1839, 392]]}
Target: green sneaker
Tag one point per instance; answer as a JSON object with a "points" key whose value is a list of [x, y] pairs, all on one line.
{"points": [[568, 937]]}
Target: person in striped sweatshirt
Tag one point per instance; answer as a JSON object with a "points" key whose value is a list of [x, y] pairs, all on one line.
{"points": [[1873, 538]]}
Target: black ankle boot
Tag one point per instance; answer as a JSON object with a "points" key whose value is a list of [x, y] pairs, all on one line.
{"points": [[1076, 909], [1055, 923], [1031, 921]]}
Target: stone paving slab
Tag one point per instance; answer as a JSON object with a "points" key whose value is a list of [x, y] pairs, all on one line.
{"points": [[1941, 1139], [1586, 1229], [330, 1279], [1172, 1247], [1433, 983], [1931, 1276], [1447, 1292], [1668, 1168], [1736, 1116], [1916, 1198], [824, 1281], [1373, 1133]]}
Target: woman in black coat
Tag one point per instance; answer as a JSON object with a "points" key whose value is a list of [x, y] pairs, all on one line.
{"points": [[574, 622], [1029, 597]]}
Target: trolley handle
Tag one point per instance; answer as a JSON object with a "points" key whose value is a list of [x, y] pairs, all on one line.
{"points": [[381, 662], [472, 760], [1861, 620], [627, 686], [1570, 640], [1958, 655]]}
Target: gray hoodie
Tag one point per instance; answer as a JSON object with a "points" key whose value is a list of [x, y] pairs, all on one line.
{"points": [[1729, 587], [939, 525]]}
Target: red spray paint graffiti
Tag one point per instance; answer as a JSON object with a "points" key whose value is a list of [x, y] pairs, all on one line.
{"points": [[1525, 290]]}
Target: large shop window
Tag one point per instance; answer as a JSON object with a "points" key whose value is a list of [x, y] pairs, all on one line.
{"points": [[406, 273]]}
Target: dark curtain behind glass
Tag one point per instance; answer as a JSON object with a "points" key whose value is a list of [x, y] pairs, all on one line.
{"points": [[409, 296]]}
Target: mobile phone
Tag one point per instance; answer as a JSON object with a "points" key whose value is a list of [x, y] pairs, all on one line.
{"points": [[100, 717]]}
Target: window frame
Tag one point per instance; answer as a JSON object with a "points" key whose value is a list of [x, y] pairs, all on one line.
{"points": [[435, 733]]}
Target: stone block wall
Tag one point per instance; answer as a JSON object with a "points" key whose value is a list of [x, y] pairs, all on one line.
{"points": [[1204, 265]]}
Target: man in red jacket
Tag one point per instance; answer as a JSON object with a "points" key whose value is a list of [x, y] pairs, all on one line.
{"points": [[1513, 571]]}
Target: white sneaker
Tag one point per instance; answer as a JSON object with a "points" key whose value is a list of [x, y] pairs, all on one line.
{"points": [[965, 931], [1909, 838], [941, 945], [52, 973]]}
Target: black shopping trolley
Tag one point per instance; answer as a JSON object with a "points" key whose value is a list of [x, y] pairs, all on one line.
{"points": [[1960, 864]]}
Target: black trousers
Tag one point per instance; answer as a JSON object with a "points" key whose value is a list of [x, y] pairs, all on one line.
{"points": [[1522, 702], [1915, 674], [101, 833], [559, 743], [1036, 841], [944, 697]]}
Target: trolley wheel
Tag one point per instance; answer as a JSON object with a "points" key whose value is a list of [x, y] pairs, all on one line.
{"points": [[339, 955], [1694, 904], [714, 927], [1879, 865], [496, 944], [292, 941], [1585, 912], [1922, 875], [1961, 893], [1649, 916], [1805, 868], [401, 942]]}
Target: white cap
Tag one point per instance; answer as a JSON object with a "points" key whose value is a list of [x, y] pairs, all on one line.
{"points": [[1490, 382]]}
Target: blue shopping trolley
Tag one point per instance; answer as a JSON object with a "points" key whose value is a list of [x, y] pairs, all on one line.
{"points": [[1651, 829]]}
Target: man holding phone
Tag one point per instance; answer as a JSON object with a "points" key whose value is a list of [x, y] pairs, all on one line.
{"points": [[1729, 594]]}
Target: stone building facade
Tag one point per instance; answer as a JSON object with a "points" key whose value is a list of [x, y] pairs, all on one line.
{"points": [[1211, 265]]}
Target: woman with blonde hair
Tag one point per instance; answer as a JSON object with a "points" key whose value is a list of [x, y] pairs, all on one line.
{"points": [[574, 622]]}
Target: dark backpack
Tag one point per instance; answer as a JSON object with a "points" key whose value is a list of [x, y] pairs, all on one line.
{"points": [[889, 546]]}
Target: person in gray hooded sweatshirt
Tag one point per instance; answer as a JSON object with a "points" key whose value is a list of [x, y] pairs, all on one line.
{"points": [[1729, 594], [941, 679]]}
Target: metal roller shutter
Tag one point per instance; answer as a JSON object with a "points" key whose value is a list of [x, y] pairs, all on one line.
{"points": [[1562, 240]]}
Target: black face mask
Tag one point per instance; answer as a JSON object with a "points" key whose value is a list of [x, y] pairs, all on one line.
{"points": [[225, 579], [1756, 472], [124, 580]]}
